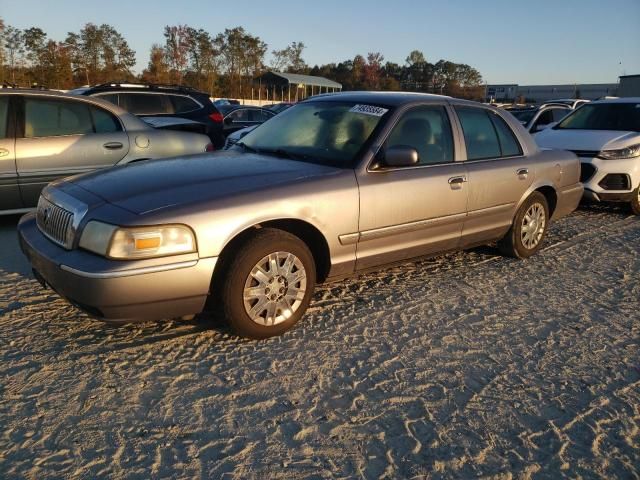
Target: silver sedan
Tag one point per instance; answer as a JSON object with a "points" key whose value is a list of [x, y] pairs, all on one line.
{"points": [[47, 135], [334, 185]]}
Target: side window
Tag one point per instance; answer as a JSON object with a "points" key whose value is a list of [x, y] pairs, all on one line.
{"points": [[260, 116], [479, 134], [146, 103], [559, 114], [545, 118], [50, 118], [509, 145], [4, 112], [109, 97], [184, 104], [103, 121], [427, 129], [241, 115]]}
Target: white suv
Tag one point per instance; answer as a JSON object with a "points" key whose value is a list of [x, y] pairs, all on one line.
{"points": [[606, 136]]}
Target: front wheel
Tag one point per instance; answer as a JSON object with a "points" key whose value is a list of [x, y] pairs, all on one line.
{"points": [[635, 203], [529, 228], [269, 284]]}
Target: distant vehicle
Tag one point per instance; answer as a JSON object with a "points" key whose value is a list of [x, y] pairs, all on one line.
{"points": [[536, 119], [572, 102], [146, 99], [237, 117], [225, 101], [335, 185], [605, 135], [46, 135], [236, 136], [280, 107]]}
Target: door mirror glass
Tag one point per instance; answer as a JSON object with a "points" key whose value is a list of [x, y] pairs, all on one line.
{"points": [[400, 156]]}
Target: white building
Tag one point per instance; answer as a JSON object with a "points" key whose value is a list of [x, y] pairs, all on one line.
{"points": [[544, 93]]}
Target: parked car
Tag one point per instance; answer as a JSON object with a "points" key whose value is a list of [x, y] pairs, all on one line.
{"points": [[236, 117], [338, 184], [536, 119], [571, 102], [236, 136], [46, 135], [605, 134], [280, 107], [225, 101], [146, 99]]}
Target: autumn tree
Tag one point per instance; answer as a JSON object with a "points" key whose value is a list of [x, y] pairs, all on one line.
{"points": [[241, 57], [176, 48], [13, 43], [289, 59], [158, 69]]}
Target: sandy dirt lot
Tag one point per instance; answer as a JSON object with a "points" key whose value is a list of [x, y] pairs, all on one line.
{"points": [[461, 366]]}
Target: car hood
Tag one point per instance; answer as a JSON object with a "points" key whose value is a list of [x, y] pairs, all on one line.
{"points": [[594, 140], [153, 185]]}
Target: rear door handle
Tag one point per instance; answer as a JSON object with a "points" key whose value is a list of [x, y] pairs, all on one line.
{"points": [[113, 145], [4, 152], [456, 182], [522, 173]]}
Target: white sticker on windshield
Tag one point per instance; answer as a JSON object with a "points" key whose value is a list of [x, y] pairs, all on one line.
{"points": [[369, 110]]}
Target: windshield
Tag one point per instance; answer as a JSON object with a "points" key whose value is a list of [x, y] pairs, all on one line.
{"points": [[330, 133], [523, 115], [603, 116]]}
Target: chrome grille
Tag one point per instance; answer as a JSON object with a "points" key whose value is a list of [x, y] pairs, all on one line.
{"points": [[54, 222]]}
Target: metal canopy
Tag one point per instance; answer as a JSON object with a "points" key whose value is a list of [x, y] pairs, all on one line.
{"points": [[293, 79]]}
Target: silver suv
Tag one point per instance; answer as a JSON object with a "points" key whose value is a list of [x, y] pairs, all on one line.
{"points": [[47, 135]]}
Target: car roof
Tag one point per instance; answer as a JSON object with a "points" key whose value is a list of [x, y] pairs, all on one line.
{"points": [[619, 100], [57, 94], [392, 99]]}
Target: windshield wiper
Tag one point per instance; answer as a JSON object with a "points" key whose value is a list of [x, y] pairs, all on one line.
{"points": [[247, 148], [280, 152]]}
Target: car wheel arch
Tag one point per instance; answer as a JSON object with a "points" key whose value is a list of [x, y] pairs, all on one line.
{"points": [[548, 190], [305, 231]]}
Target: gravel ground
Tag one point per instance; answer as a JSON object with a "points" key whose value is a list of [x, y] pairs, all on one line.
{"points": [[465, 365]]}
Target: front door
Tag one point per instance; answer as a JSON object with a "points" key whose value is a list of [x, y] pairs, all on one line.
{"points": [[63, 137], [418, 210]]}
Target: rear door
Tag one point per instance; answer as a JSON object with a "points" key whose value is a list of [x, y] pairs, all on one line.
{"points": [[59, 137], [9, 192], [498, 173]]}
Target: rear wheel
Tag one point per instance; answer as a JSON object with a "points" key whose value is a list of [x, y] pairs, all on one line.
{"points": [[268, 284], [526, 235], [635, 203]]}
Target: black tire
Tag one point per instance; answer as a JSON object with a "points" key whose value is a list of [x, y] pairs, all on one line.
{"points": [[635, 203], [512, 244], [266, 241]]}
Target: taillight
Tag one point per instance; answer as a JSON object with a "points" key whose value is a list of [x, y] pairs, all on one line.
{"points": [[216, 117], [209, 147]]}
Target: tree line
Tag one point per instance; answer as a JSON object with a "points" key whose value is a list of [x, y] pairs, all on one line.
{"points": [[224, 65]]}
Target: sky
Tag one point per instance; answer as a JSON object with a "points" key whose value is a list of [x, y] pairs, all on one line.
{"points": [[508, 41]]}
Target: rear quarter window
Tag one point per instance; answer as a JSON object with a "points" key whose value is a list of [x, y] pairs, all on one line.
{"points": [[146, 103], [183, 104]]}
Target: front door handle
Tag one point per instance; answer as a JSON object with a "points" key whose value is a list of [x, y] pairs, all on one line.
{"points": [[113, 145], [4, 152], [522, 173], [456, 182]]}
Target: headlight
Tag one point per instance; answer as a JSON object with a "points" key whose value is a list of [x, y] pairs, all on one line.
{"points": [[629, 152], [138, 242]]}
